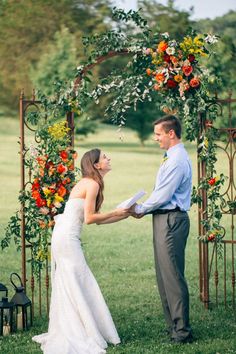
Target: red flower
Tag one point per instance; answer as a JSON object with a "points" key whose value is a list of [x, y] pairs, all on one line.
{"points": [[166, 58], [187, 70], [171, 83], [40, 202], [61, 169], [211, 237], [66, 181], [148, 71], [49, 164], [64, 155], [35, 185], [194, 82], [212, 181], [191, 58]]}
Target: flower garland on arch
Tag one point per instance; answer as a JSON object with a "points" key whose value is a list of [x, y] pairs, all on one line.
{"points": [[53, 176]]}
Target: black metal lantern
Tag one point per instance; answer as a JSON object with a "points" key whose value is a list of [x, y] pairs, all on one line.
{"points": [[23, 305], [7, 317], [3, 291]]}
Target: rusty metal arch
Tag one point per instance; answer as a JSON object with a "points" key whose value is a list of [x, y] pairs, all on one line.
{"points": [[205, 264]]}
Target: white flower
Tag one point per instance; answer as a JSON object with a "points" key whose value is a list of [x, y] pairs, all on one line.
{"points": [[165, 35], [173, 43], [170, 50], [33, 151], [57, 204], [211, 39]]}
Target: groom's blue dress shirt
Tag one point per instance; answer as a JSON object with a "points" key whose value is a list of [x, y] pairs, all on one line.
{"points": [[173, 183]]}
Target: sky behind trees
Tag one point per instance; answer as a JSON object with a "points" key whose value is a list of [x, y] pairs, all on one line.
{"points": [[202, 8]]}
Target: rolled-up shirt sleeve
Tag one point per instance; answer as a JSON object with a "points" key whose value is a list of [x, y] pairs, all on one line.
{"points": [[169, 180]]}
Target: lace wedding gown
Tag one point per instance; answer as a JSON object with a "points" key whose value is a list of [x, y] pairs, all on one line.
{"points": [[79, 320]]}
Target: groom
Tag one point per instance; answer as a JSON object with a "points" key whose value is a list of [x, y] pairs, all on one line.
{"points": [[169, 203]]}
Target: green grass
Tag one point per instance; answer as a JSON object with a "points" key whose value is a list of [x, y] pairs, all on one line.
{"points": [[121, 255]]}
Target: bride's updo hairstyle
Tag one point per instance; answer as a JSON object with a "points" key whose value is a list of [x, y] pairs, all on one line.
{"points": [[88, 170]]}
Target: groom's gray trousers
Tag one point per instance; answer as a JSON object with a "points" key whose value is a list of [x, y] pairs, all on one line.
{"points": [[170, 233]]}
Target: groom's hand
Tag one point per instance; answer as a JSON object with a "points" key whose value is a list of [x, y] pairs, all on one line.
{"points": [[137, 216]]}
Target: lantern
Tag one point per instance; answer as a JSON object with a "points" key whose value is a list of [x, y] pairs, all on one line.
{"points": [[7, 317], [3, 291], [23, 305]]}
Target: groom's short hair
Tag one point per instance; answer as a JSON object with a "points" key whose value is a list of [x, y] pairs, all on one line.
{"points": [[170, 122]]}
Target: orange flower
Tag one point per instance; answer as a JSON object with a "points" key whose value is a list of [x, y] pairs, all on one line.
{"points": [[174, 59], [194, 82], [187, 70], [148, 71], [61, 191], [35, 194], [178, 78], [51, 223], [162, 46], [160, 77], [42, 224], [41, 160]]}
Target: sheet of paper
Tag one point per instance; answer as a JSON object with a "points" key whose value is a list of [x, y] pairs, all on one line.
{"points": [[131, 201]]}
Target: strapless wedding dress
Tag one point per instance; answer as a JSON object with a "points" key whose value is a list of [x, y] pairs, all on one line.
{"points": [[79, 319]]}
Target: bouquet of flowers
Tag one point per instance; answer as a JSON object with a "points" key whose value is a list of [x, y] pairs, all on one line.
{"points": [[174, 66]]}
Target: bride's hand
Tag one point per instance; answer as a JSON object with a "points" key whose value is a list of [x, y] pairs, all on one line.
{"points": [[122, 212]]}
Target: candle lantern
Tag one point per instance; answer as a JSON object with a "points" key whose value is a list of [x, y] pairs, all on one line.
{"points": [[23, 305], [7, 317], [3, 291]]}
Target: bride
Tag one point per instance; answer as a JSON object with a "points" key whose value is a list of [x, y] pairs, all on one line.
{"points": [[79, 320]]}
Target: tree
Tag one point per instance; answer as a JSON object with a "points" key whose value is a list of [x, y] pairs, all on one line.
{"points": [[26, 28]]}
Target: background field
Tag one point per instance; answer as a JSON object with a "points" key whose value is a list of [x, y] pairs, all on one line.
{"points": [[120, 255]]}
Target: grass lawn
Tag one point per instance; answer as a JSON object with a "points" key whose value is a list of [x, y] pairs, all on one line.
{"points": [[120, 255]]}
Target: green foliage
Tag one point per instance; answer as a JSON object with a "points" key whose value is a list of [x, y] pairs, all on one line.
{"points": [[223, 65], [28, 27], [56, 63]]}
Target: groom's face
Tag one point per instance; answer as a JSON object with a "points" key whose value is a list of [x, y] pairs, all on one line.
{"points": [[161, 137]]}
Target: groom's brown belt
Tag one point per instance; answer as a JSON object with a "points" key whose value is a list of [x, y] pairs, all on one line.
{"points": [[165, 211]]}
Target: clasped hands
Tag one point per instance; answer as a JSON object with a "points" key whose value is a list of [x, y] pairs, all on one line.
{"points": [[131, 212]]}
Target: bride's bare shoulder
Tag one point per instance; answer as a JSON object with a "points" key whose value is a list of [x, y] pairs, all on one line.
{"points": [[87, 183]]}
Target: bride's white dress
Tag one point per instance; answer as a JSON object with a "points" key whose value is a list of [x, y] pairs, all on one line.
{"points": [[79, 319]]}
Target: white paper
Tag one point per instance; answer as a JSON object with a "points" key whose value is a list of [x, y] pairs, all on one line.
{"points": [[131, 201]]}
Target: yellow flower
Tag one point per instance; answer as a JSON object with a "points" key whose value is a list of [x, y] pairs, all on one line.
{"points": [[46, 191], [198, 41], [49, 202], [58, 130], [57, 198], [205, 142]]}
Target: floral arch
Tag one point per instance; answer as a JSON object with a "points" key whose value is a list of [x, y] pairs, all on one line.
{"points": [[158, 66]]}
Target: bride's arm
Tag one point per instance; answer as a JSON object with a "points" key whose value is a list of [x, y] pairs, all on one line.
{"points": [[91, 216]]}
